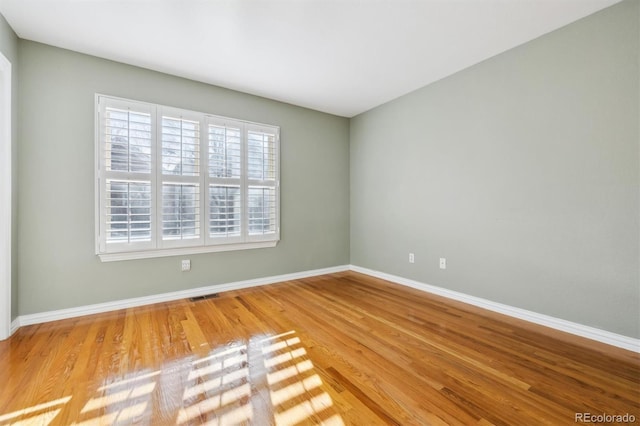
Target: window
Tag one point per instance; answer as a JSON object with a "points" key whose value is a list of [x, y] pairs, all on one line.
{"points": [[171, 181]]}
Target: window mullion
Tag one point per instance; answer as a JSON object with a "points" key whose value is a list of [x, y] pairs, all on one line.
{"points": [[244, 187], [157, 183], [204, 180]]}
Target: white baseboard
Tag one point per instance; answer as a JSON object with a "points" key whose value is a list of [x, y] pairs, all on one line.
{"points": [[592, 333], [15, 325], [60, 314]]}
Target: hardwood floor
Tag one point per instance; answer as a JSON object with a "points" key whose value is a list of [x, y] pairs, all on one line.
{"points": [[337, 349]]}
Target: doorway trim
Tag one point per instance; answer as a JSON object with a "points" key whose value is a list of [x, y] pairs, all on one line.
{"points": [[5, 197]]}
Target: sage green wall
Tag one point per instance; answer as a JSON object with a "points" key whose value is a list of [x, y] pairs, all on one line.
{"points": [[9, 48], [522, 171], [57, 267]]}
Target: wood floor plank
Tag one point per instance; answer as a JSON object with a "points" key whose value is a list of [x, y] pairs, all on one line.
{"points": [[339, 349]]}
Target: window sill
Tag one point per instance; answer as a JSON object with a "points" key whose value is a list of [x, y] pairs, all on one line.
{"points": [[149, 254]]}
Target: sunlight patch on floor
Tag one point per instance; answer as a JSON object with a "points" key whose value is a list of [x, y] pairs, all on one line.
{"points": [[219, 383], [50, 410], [122, 401], [268, 379], [287, 373], [293, 385], [305, 410], [117, 397]]}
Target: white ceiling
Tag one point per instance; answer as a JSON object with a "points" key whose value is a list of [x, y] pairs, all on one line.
{"points": [[338, 56]]}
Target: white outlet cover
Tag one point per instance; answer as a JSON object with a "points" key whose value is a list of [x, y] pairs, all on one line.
{"points": [[186, 265]]}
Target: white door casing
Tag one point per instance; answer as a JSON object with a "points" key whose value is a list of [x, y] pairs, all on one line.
{"points": [[5, 197]]}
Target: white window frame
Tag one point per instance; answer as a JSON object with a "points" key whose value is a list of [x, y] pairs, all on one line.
{"points": [[157, 246]]}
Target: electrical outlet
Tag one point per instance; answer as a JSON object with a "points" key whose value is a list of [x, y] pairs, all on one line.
{"points": [[443, 263], [186, 265], [412, 258]]}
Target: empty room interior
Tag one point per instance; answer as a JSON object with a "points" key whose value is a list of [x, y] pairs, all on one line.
{"points": [[319, 212]]}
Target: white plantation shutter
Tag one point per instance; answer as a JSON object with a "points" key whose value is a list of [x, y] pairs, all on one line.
{"points": [[225, 149], [127, 140], [180, 177], [128, 211], [224, 180], [262, 182], [225, 214], [172, 181], [126, 186], [180, 146]]}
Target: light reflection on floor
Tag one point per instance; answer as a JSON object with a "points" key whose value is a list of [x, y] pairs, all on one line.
{"points": [[37, 414], [268, 380]]}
